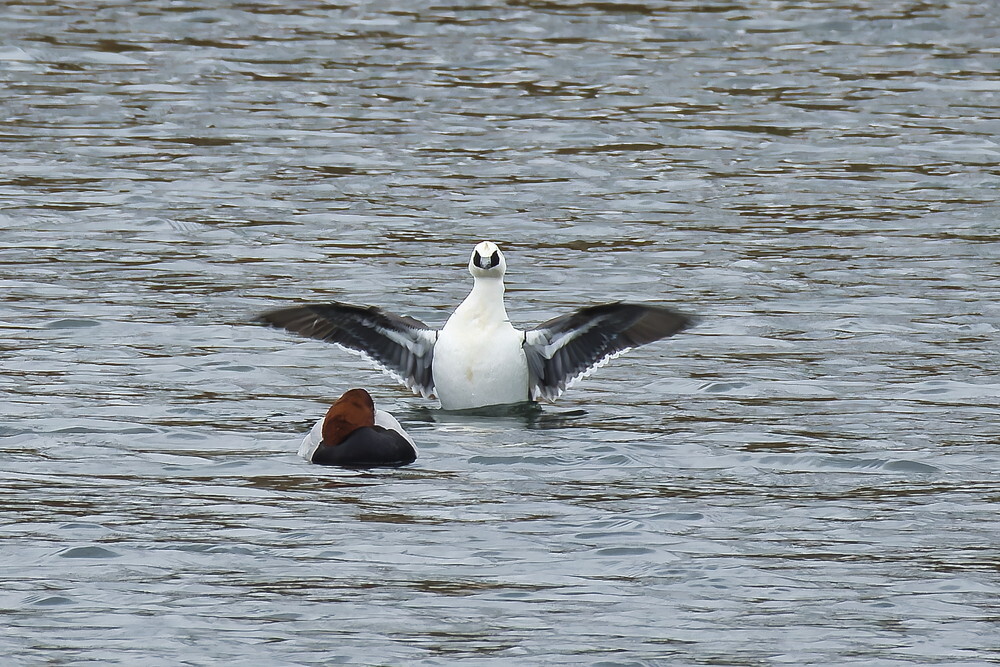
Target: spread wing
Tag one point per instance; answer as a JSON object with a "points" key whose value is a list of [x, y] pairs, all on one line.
{"points": [[401, 346], [566, 349]]}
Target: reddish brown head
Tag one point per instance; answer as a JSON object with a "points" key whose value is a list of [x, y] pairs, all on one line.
{"points": [[351, 411]]}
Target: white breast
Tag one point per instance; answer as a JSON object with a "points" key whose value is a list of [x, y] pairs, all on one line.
{"points": [[479, 363]]}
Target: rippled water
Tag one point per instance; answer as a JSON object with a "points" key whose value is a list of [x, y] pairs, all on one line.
{"points": [[809, 477]]}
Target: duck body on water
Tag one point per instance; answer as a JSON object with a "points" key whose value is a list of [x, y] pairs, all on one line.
{"points": [[354, 434], [478, 359]]}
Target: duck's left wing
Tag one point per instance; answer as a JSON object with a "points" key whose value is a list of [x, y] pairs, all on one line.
{"points": [[567, 348], [401, 345]]}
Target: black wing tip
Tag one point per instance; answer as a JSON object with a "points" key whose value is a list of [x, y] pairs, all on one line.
{"points": [[653, 321], [688, 321], [276, 316], [267, 318], [635, 307], [279, 316]]}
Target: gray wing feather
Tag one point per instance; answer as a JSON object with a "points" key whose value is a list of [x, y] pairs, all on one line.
{"points": [[401, 346], [567, 348]]}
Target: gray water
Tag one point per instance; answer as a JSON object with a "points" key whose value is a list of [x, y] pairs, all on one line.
{"points": [[807, 477]]}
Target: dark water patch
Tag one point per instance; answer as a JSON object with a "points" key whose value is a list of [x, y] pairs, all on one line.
{"points": [[902, 490], [73, 323], [396, 518], [50, 601], [609, 148], [89, 552], [848, 463], [218, 549], [624, 552]]}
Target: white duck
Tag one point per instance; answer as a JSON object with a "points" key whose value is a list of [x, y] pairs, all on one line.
{"points": [[478, 358]]}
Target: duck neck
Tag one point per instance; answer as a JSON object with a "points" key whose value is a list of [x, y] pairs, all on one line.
{"points": [[486, 299]]}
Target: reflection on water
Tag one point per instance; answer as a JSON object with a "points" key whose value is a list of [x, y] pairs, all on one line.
{"points": [[503, 417], [807, 477]]}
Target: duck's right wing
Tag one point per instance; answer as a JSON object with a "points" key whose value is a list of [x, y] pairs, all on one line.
{"points": [[401, 346], [566, 349]]}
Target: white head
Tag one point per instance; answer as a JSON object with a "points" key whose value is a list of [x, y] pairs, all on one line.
{"points": [[487, 261]]}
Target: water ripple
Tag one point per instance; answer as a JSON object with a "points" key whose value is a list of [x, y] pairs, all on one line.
{"points": [[806, 477]]}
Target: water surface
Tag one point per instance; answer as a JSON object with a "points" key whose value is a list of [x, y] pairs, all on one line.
{"points": [[808, 477]]}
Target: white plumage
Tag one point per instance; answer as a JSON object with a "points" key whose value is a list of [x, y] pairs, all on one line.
{"points": [[478, 358]]}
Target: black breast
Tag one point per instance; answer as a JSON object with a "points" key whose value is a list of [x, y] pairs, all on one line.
{"points": [[367, 447]]}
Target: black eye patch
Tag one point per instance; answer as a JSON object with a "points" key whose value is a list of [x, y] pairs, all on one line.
{"points": [[486, 263]]}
